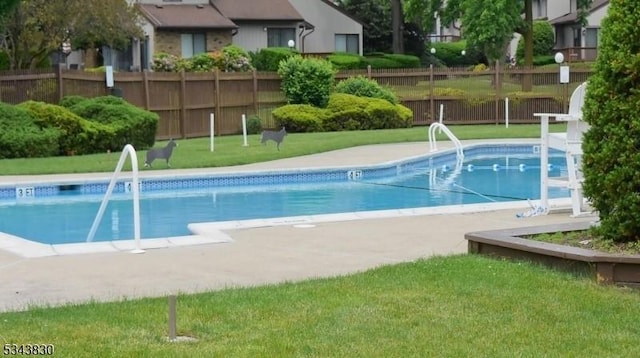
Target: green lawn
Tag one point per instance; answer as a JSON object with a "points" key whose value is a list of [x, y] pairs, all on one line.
{"points": [[229, 150], [457, 306]]}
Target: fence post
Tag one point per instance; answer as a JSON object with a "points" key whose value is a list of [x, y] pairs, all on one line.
{"points": [[255, 91], [145, 86], [183, 105], [432, 115], [369, 71], [216, 74], [497, 79], [60, 85]]}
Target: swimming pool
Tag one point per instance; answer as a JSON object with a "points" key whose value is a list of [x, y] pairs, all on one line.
{"points": [[64, 213]]}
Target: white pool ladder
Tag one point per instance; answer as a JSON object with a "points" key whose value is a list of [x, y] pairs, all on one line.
{"points": [[452, 137], [127, 150]]}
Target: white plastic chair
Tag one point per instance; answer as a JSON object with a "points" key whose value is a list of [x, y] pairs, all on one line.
{"points": [[571, 143]]}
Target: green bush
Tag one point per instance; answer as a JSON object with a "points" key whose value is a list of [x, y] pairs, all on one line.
{"points": [[69, 101], [79, 136], [130, 124], [543, 60], [364, 87], [611, 161], [254, 124], [450, 53], [4, 61], [345, 112], [235, 59], [306, 81], [21, 137], [543, 40], [382, 62], [349, 112], [52, 116], [203, 62], [347, 61], [405, 61], [268, 58], [299, 118]]}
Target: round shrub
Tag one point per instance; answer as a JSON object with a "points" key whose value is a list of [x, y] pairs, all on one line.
{"points": [[299, 117], [611, 161], [131, 125], [364, 87], [254, 124], [78, 135], [69, 124], [306, 81], [164, 62], [345, 112], [21, 137], [235, 59], [349, 112]]}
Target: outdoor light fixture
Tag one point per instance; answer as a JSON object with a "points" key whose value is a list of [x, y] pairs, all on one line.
{"points": [[291, 44], [433, 51], [559, 57]]}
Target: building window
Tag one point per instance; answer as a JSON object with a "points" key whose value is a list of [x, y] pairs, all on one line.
{"points": [[279, 37], [193, 44], [591, 38], [347, 43]]}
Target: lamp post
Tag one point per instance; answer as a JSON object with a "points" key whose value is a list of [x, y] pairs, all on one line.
{"points": [[563, 78], [431, 84], [291, 44]]}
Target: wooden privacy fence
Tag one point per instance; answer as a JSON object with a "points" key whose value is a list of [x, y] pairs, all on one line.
{"points": [[185, 101]]}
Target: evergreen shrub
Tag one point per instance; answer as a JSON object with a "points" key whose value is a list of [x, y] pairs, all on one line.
{"points": [[611, 161]]}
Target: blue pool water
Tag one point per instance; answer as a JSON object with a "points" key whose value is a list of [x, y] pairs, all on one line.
{"points": [[480, 179]]}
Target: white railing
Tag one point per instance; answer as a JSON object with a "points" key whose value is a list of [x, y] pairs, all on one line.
{"points": [[127, 150], [452, 137]]}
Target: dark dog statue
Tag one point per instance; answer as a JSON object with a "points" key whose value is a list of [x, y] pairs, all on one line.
{"points": [[160, 153], [276, 136]]}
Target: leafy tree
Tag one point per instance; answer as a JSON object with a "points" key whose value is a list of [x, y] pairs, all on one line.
{"points": [[543, 40], [611, 146], [485, 22], [7, 6], [37, 28], [376, 18]]}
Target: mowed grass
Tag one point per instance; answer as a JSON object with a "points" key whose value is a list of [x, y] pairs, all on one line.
{"points": [[456, 306], [229, 150]]}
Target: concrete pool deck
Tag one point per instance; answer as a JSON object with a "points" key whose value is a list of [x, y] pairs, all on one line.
{"points": [[258, 255]]}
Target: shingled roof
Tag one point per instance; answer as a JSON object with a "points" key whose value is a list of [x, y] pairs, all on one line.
{"points": [[280, 10], [186, 16]]}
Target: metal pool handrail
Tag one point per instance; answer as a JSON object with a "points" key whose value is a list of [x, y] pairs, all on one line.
{"points": [[452, 137], [127, 150]]}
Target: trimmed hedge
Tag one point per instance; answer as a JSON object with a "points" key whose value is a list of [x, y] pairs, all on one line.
{"points": [[130, 124], [347, 61], [268, 58], [78, 135], [299, 117], [344, 112], [21, 137]]}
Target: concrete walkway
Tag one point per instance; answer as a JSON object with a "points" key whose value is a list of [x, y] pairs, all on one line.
{"points": [[258, 255]]}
